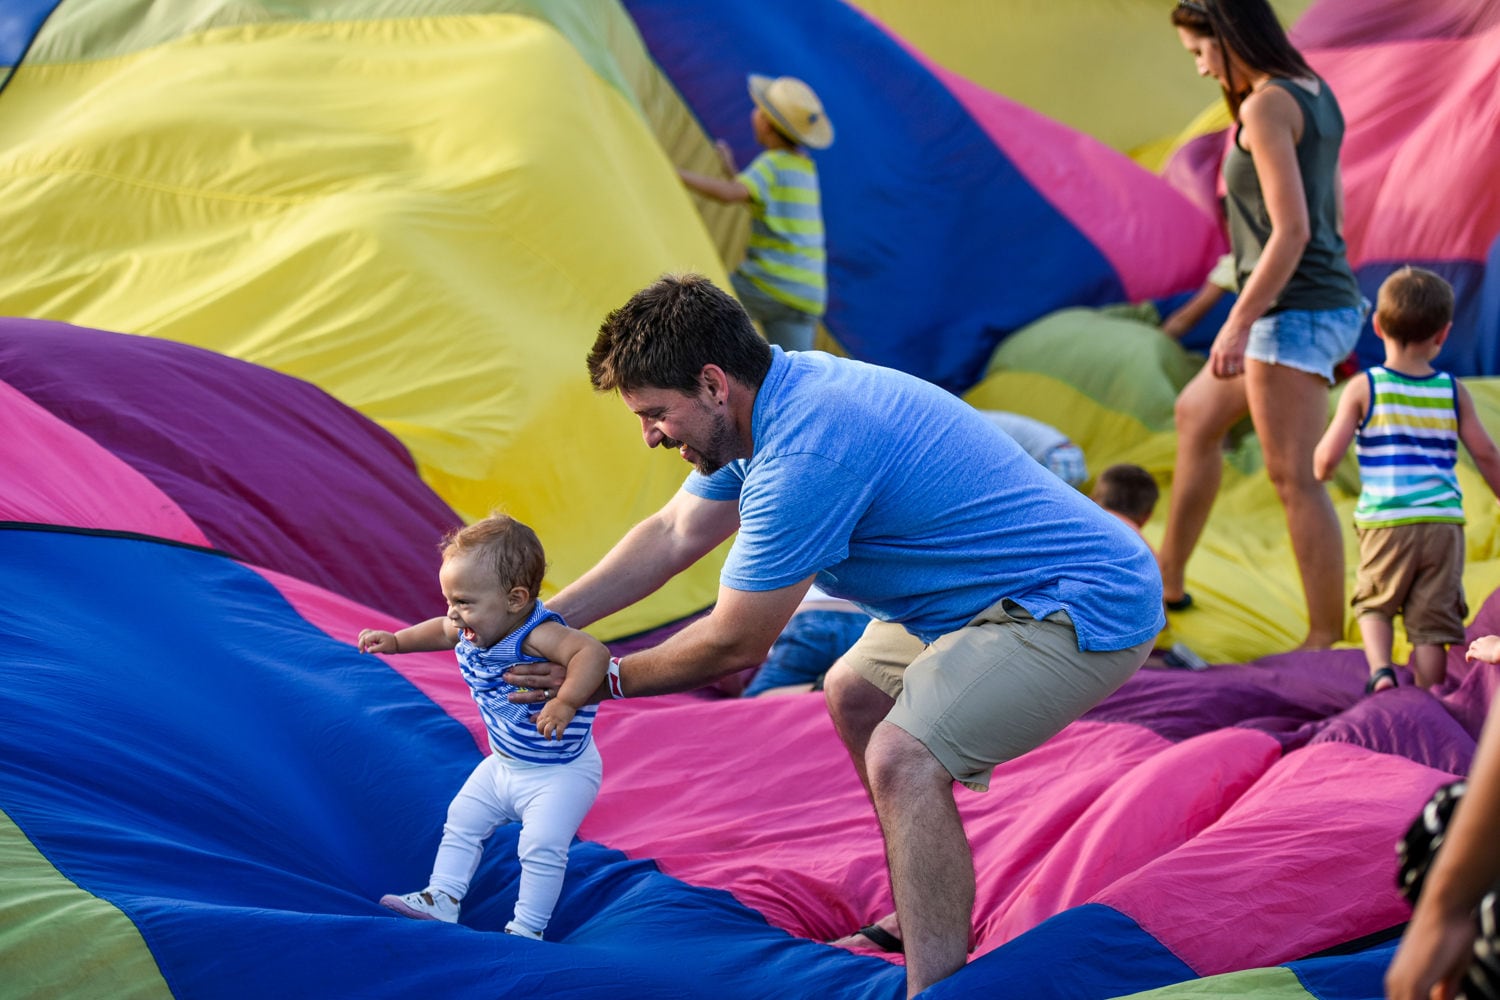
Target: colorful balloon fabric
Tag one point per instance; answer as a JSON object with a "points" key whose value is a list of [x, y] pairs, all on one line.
{"points": [[211, 803], [1116, 403], [294, 288], [206, 450], [1133, 98], [1420, 163]]}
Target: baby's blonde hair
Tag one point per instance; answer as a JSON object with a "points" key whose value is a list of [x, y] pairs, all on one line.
{"points": [[510, 547]]}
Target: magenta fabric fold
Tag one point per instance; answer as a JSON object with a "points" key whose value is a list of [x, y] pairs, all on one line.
{"points": [[55, 474], [270, 469]]}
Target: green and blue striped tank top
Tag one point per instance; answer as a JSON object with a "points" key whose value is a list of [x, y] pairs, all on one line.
{"points": [[1408, 451], [785, 257]]}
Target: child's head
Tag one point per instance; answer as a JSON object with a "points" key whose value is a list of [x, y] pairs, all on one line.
{"points": [[1413, 305], [787, 109], [491, 573], [1128, 490]]}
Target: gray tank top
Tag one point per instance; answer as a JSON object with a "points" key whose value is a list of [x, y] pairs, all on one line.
{"points": [[1323, 279]]}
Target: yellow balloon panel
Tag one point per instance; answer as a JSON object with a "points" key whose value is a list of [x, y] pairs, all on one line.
{"points": [[428, 218], [1113, 69]]}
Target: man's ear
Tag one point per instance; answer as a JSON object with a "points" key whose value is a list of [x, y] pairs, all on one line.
{"points": [[716, 382]]}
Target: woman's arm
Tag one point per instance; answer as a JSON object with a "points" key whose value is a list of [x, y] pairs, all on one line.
{"points": [[1476, 440], [1272, 124]]}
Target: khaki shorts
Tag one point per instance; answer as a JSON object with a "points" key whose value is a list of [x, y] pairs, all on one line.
{"points": [[1000, 686], [1416, 571]]}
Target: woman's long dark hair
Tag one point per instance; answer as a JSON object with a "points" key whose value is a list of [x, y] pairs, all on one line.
{"points": [[1250, 30]]}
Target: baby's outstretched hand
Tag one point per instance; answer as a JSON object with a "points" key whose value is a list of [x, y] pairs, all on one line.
{"points": [[374, 640], [554, 718], [1486, 648]]}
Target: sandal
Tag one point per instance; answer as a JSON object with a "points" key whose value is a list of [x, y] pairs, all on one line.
{"points": [[1181, 604], [1385, 673], [880, 938]]}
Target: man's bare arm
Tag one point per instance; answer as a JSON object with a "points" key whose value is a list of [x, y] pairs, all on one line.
{"points": [[736, 634], [679, 534]]}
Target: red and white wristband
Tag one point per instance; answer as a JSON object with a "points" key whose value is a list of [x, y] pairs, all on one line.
{"points": [[615, 691]]}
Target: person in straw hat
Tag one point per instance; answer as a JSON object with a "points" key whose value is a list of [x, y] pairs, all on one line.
{"points": [[782, 282]]}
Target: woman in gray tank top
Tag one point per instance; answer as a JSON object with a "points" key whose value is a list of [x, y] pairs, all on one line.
{"points": [[1299, 308]]}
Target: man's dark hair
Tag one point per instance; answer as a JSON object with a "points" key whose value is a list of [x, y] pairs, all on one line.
{"points": [[668, 331]]}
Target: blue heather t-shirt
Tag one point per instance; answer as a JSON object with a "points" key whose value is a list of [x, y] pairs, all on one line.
{"points": [[910, 503]]}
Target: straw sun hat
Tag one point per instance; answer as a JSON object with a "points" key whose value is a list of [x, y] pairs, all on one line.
{"points": [[794, 108]]}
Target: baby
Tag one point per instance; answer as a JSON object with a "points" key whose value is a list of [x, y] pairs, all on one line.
{"points": [[544, 774]]}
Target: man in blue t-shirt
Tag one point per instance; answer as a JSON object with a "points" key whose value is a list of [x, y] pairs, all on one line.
{"points": [[1005, 603]]}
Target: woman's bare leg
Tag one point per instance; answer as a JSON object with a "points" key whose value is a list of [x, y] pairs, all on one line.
{"points": [[1206, 409], [1290, 410]]}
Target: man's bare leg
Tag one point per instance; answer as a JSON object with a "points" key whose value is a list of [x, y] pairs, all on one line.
{"points": [[857, 707], [932, 868]]}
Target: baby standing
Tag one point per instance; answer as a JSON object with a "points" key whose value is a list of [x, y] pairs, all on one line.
{"points": [[544, 774]]}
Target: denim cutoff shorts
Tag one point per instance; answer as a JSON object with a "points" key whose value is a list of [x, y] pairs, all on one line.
{"points": [[1309, 340]]}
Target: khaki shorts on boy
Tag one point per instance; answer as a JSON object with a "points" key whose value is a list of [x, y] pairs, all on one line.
{"points": [[989, 692], [1416, 571]]}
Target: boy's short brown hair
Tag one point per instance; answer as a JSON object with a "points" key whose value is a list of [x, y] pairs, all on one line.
{"points": [[510, 547], [1127, 489], [1413, 305]]}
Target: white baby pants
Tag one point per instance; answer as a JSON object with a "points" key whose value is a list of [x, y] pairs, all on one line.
{"points": [[549, 801]]}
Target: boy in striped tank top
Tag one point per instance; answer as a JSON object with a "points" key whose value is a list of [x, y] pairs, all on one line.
{"points": [[1406, 419], [782, 282], [544, 773]]}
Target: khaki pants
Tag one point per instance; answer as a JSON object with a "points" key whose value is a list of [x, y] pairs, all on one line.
{"points": [[989, 692]]}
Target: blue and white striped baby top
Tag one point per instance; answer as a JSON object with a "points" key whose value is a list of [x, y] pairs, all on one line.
{"points": [[511, 730], [1408, 451]]}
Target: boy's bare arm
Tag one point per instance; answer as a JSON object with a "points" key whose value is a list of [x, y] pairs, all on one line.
{"points": [[717, 188], [1477, 440], [1346, 419], [726, 157]]}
